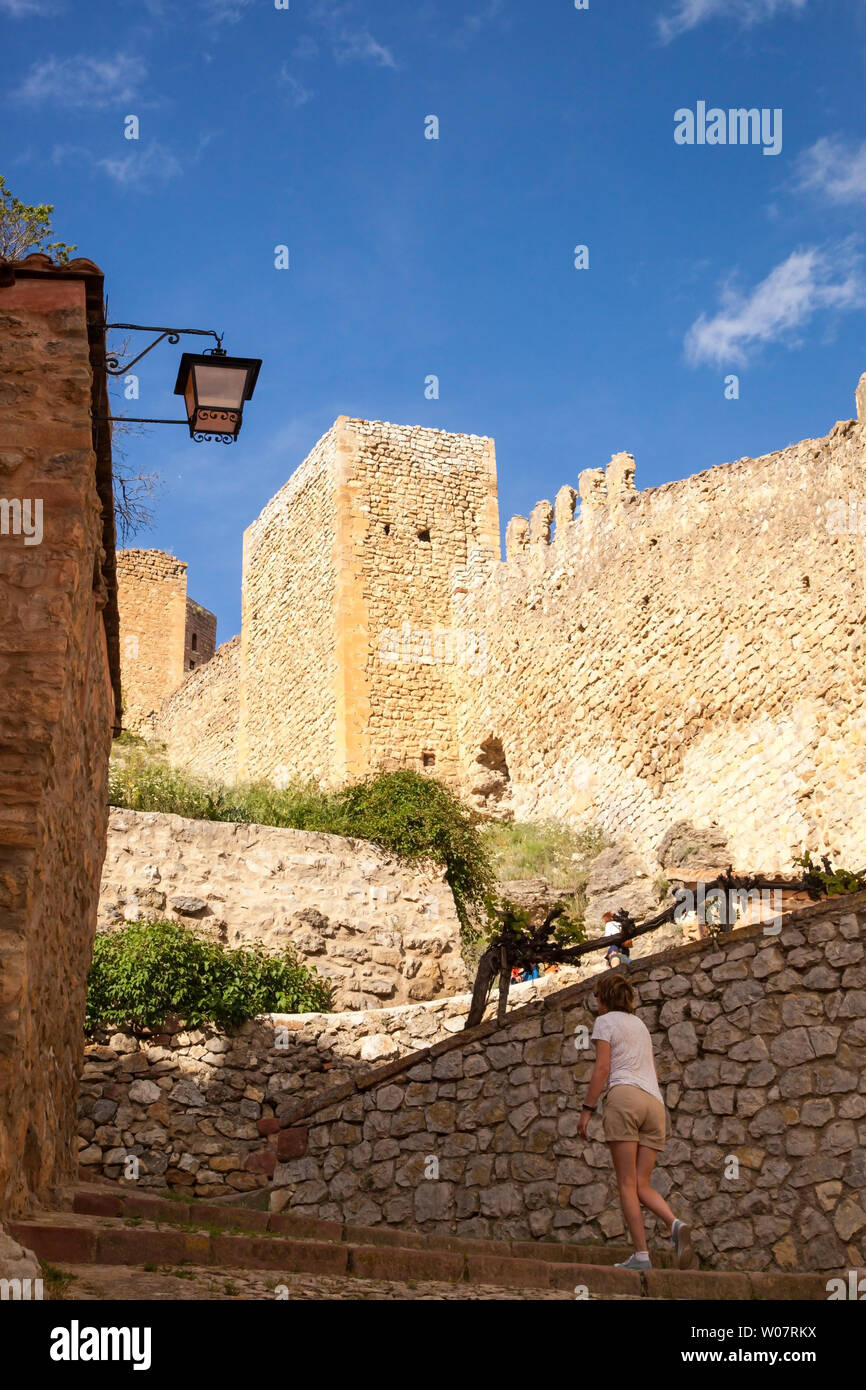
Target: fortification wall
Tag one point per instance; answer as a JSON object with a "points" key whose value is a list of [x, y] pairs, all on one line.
{"points": [[694, 652], [691, 653], [152, 600], [760, 1047], [288, 684], [199, 636], [199, 723], [381, 930]]}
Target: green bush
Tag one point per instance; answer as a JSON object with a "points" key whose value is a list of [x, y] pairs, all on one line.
{"points": [[151, 969], [410, 815]]}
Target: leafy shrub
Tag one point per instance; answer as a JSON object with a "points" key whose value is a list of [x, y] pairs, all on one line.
{"points": [[828, 879], [151, 969], [410, 815]]}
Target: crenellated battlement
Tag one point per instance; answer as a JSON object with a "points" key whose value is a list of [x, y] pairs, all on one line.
{"points": [[691, 652]]}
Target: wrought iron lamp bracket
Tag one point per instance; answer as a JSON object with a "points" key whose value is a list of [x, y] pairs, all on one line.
{"points": [[113, 366]]}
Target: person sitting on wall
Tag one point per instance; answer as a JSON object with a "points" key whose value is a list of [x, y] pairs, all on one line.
{"points": [[615, 955]]}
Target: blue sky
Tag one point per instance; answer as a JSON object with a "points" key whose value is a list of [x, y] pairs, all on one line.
{"points": [[455, 257]]}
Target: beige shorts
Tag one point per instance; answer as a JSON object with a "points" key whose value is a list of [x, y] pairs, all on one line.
{"points": [[630, 1113]]}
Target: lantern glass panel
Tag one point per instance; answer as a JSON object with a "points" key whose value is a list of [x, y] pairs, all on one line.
{"points": [[221, 387]]}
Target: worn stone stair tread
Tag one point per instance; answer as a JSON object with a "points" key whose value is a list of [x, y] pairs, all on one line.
{"points": [[106, 1203], [80, 1239]]}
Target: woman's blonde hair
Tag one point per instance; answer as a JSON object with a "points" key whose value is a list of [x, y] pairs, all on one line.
{"points": [[615, 992]]}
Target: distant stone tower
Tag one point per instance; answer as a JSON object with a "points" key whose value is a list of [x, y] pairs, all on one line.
{"points": [[163, 634], [350, 659]]}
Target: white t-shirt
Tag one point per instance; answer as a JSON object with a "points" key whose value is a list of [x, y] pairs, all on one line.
{"points": [[631, 1051]]}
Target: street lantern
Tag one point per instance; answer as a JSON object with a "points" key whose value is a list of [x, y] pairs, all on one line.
{"points": [[213, 385], [214, 388]]}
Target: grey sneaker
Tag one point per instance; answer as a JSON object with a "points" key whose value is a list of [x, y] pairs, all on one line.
{"points": [[633, 1263], [681, 1235]]}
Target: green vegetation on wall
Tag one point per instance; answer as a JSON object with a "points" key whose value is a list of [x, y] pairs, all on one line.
{"points": [[408, 814], [150, 970]]}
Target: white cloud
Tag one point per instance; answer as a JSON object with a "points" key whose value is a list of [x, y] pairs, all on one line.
{"points": [[834, 170], [794, 291], [137, 170], [20, 9], [476, 20], [297, 93], [688, 14], [153, 164], [83, 81], [225, 11], [350, 39]]}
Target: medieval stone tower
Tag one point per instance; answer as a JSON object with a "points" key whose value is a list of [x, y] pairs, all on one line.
{"points": [[347, 653], [163, 633]]}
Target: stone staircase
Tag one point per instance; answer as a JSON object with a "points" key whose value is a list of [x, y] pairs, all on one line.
{"points": [[115, 1228]]}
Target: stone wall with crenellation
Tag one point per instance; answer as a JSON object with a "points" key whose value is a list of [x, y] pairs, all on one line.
{"points": [[690, 654]]}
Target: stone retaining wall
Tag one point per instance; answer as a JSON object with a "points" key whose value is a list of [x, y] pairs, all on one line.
{"points": [[760, 1047], [192, 1107], [382, 930]]}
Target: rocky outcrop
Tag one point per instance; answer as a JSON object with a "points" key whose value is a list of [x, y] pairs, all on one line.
{"points": [[383, 931]]}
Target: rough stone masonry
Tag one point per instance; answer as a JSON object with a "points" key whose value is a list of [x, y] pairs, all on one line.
{"points": [[691, 652], [760, 1047]]}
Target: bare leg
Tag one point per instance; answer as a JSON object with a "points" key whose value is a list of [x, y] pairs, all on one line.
{"points": [[647, 1195], [624, 1155]]}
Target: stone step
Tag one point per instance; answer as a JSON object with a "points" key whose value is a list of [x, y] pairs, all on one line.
{"points": [[229, 1217], [78, 1239]]}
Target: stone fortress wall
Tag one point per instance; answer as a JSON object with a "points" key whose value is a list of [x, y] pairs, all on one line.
{"points": [[688, 653], [199, 722], [694, 652], [163, 634], [361, 541]]}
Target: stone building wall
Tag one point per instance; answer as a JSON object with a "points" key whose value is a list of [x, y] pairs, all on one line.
{"points": [[693, 652], [385, 932], [760, 1047], [59, 676], [199, 723], [157, 623]]}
